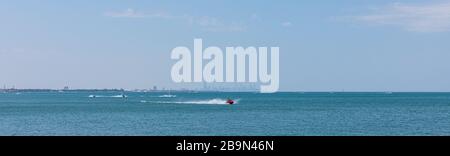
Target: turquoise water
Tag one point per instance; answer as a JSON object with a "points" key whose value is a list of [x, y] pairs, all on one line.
{"points": [[77, 113]]}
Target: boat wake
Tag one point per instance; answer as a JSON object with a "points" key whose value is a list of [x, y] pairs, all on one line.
{"points": [[200, 102]]}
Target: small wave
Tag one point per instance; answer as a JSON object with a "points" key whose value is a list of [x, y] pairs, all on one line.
{"points": [[103, 96], [167, 96]]}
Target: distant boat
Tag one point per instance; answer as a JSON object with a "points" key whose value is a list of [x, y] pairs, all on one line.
{"points": [[169, 95], [123, 94]]}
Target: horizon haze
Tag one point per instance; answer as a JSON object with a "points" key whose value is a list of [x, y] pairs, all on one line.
{"points": [[346, 45]]}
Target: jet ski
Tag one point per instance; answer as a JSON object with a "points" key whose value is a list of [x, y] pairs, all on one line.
{"points": [[230, 102]]}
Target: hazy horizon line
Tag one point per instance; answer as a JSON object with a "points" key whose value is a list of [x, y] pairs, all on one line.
{"points": [[204, 90]]}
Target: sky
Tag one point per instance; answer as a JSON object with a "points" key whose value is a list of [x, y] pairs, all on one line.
{"points": [[336, 45]]}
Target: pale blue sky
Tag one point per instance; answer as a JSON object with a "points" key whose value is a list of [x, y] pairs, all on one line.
{"points": [[350, 45]]}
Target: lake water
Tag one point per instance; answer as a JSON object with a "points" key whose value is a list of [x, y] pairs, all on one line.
{"points": [[205, 113]]}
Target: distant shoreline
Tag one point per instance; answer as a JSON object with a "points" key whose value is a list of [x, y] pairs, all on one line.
{"points": [[84, 90], [195, 91]]}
